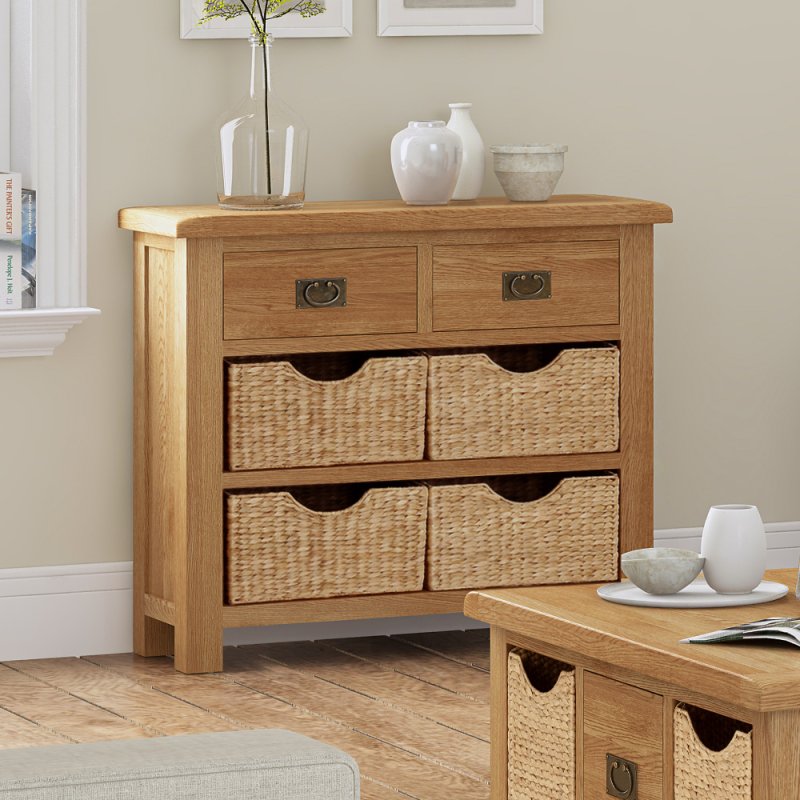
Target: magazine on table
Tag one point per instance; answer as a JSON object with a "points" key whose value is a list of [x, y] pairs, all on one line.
{"points": [[776, 629]]}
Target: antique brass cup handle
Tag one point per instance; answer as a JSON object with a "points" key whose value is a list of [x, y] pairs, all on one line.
{"points": [[321, 292], [526, 285], [620, 777]]}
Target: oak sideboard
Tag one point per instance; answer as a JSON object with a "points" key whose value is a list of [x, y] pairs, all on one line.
{"points": [[294, 369]]}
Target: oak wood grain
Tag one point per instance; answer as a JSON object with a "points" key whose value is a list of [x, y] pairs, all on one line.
{"points": [[384, 685], [17, 731], [636, 388], [499, 714], [421, 664], [392, 215], [626, 722], [122, 696], [60, 713], [425, 738], [374, 606], [469, 647], [245, 707], [646, 641], [198, 431], [468, 285], [151, 637], [419, 238], [421, 470], [260, 292]]}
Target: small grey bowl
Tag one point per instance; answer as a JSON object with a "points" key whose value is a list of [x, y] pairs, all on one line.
{"points": [[662, 570]]}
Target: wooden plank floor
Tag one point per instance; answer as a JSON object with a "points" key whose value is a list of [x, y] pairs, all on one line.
{"points": [[413, 710]]}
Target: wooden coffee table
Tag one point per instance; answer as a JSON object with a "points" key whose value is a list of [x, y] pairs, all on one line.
{"points": [[629, 714]]}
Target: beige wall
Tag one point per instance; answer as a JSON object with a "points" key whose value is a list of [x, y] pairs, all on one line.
{"points": [[690, 103]]}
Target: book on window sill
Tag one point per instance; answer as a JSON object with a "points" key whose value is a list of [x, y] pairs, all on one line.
{"points": [[28, 287], [11, 227], [776, 629]]}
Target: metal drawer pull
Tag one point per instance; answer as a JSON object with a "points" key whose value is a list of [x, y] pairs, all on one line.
{"points": [[620, 777], [321, 292], [526, 285]]}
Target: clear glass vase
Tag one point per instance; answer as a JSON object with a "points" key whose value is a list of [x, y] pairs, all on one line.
{"points": [[263, 145]]}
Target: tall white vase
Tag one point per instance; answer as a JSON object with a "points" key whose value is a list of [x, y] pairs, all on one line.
{"points": [[473, 159], [734, 544]]}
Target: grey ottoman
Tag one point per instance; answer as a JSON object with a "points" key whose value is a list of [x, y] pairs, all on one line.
{"points": [[241, 765]]}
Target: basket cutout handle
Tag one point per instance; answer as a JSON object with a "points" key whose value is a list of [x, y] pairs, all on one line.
{"points": [[714, 731], [542, 673]]}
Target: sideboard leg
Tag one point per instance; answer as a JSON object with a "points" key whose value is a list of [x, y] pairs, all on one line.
{"points": [[151, 637], [198, 572], [636, 387]]}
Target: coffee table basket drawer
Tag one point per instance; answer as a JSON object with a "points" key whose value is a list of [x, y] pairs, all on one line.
{"points": [[278, 417], [479, 409], [541, 728], [279, 548], [479, 538], [713, 756]]}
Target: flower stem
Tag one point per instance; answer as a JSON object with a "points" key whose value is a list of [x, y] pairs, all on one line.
{"points": [[264, 47]]}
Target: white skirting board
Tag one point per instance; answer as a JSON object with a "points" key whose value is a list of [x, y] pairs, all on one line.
{"points": [[85, 609]]}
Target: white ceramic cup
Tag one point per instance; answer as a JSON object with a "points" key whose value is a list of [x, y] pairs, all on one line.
{"points": [[734, 545]]}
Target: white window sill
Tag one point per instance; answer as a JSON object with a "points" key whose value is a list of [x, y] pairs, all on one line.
{"points": [[38, 331]]}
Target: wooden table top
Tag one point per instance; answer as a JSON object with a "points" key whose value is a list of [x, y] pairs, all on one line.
{"points": [[342, 217], [646, 641]]}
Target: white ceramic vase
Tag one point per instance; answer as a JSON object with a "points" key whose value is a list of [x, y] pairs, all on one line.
{"points": [[473, 159], [426, 158], [734, 544]]}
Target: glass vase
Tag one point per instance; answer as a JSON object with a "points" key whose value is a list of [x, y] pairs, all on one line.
{"points": [[263, 145]]}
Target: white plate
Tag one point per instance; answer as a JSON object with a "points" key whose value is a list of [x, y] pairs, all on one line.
{"points": [[696, 595]]}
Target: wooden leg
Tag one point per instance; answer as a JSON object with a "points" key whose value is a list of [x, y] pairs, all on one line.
{"points": [[152, 637], [499, 714], [776, 756], [636, 387]]}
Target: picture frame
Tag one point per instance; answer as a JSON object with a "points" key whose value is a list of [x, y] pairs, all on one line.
{"points": [[459, 17], [337, 21]]}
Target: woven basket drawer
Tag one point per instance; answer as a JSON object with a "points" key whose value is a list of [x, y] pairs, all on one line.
{"points": [[478, 409], [541, 729], [476, 538], [278, 417], [278, 549], [718, 768]]}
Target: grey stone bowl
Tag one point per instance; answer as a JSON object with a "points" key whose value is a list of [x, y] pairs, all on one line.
{"points": [[528, 172], [662, 570]]}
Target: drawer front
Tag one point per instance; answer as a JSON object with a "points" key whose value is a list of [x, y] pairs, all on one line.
{"points": [[262, 298], [625, 722], [474, 287]]}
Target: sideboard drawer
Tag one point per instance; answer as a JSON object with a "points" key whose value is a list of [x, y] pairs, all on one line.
{"points": [[486, 286], [374, 290]]}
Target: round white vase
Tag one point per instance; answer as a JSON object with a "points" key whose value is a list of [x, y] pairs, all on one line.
{"points": [[734, 544], [473, 160], [426, 158]]}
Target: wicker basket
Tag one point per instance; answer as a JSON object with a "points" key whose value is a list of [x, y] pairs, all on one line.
{"points": [[278, 417], [720, 769], [476, 538], [278, 549], [541, 730], [478, 409]]}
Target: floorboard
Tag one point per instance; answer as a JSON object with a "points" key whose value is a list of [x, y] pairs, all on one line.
{"points": [[412, 711]]}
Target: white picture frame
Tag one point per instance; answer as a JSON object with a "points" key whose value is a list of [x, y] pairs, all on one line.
{"points": [[460, 17], [337, 21]]}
